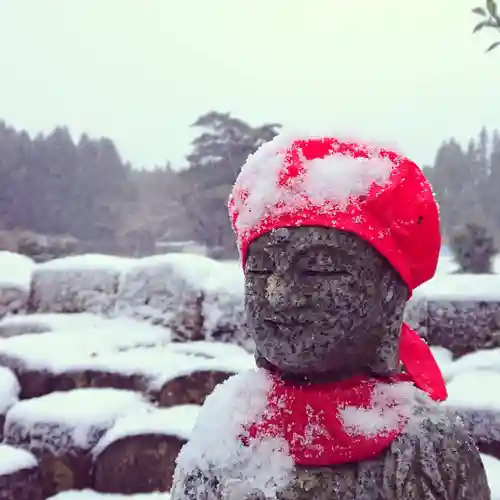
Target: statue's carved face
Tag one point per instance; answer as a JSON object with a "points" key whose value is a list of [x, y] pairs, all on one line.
{"points": [[323, 302]]}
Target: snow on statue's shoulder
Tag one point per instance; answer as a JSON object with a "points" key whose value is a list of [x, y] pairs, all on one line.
{"points": [[336, 179], [216, 441]]}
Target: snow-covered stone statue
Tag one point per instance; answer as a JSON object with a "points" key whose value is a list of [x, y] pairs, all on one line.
{"points": [[334, 236]]}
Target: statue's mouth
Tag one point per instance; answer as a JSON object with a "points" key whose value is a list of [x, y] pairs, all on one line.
{"points": [[290, 320]]}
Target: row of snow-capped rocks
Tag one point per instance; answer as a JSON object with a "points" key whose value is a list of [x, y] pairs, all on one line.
{"points": [[200, 298], [89, 403], [99, 404], [197, 297]]}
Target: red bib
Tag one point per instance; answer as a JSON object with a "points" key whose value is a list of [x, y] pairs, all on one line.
{"points": [[312, 419]]}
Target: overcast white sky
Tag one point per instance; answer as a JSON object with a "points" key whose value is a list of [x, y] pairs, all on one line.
{"points": [[141, 71]]}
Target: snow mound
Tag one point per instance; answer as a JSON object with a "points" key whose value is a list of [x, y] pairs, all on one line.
{"points": [[60, 350], [259, 192], [16, 271], [194, 295], [47, 322], [15, 282], [85, 262], [161, 365], [215, 443], [93, 495], [473, 390], [492, 466], [9, 390], [484, 360], [444, 359], [461, 287], [76, 418], [210, 349], [83, 283], [177, 421], [15, 459]]}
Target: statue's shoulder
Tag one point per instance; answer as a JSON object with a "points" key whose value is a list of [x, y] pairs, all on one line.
{"points": [[436, 458], [215, 460]]}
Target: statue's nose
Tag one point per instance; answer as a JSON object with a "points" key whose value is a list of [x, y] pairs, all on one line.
{"points": [[278, 291]]}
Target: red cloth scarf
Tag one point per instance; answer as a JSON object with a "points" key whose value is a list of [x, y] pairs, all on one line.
{"points": [[309, 416]]}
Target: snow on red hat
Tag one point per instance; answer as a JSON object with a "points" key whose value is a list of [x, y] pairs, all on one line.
{"points": [[371, 191]]}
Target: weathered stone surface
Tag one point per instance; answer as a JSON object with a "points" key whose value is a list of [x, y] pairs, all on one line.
{"points": [[484, 427], [83, 283], [190, 389], [137, 464], [20, 477], [187, 293], [60, 429], [460, 326], [137, 455]]}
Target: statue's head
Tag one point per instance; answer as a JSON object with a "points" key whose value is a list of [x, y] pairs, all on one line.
{"points": [[323, 301], [334, 236]]}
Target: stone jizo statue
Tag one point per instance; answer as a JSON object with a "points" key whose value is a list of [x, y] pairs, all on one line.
{"points": [[344, 404]]}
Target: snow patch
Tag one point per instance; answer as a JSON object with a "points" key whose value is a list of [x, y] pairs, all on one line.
{"points": [[9, 389], [473, 390], [94, 495], [16, 270], [488, 359], [177, 421], [391, 404], [59, 351], [15, 459], [216, 448], [334, 179], [461, 287], [210, 349], [492, 467], [77, 415], [337, 178], [86, 262], [39, 323]]}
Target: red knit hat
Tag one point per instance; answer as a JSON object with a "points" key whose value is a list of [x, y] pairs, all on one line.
{"points": [[375, 193], [367, 190]]}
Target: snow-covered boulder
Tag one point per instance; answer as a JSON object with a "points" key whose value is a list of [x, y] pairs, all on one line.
{"points": [[61, 429], [62, 360], [83, 283], [130, 355], [94, 495], [20, 477], [9, 394], [473, 396], [15, 278], [152, 440], [48, 322], [460, 312], [197, 297], [492, 466]]}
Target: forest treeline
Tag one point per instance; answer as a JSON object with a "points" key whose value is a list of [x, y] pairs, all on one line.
{"points": [[62, 197]]}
